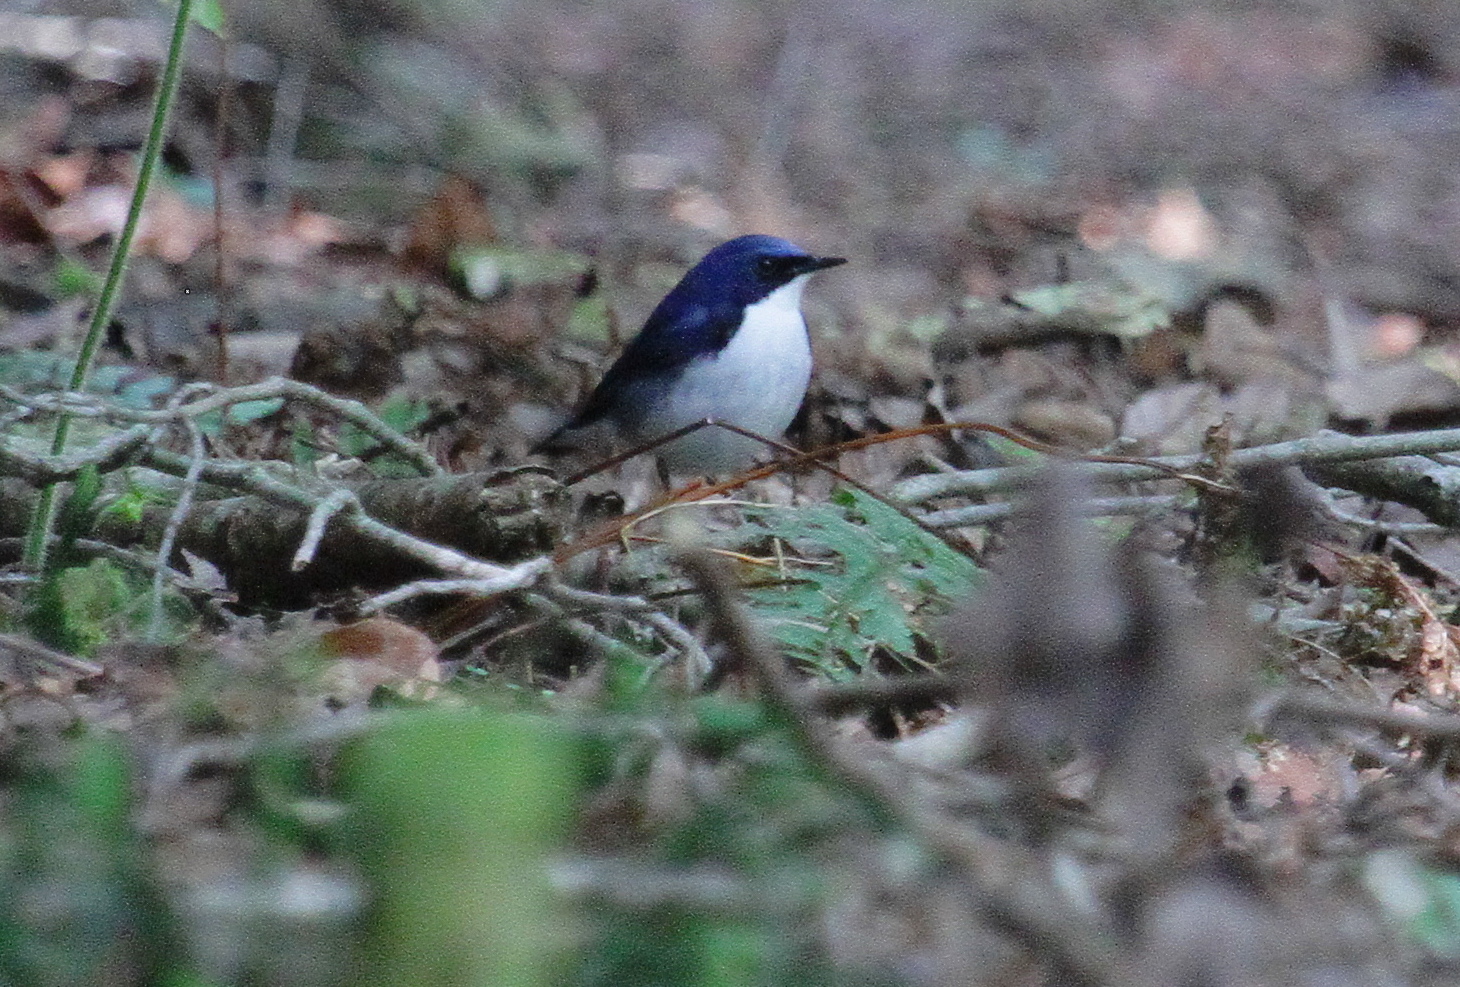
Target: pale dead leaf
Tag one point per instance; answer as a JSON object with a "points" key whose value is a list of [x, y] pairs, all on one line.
{"points": [[1437, 657], [204, 574], [89, 215], [1071, 424], [1396, 334], [379, 651], [1287, 774], [1103, 227], [398, 646], [1179, 227], [65, 174], [172, 229]]}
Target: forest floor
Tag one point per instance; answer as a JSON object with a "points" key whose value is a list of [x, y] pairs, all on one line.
{"points": [[1112, 638]]}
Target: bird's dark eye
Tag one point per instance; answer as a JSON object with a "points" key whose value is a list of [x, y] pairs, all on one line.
{"points": [[776, 269]]}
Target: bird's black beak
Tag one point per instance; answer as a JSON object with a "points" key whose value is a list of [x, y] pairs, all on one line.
{"points": [[783, 268], [806, 265]]}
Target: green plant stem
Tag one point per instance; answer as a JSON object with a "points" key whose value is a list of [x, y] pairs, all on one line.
{"points": [[45, 512]]}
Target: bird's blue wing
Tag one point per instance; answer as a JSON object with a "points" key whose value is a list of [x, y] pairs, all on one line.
{"points": [[674, 334]]}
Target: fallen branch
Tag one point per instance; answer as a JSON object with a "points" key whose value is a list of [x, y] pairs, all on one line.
{"points": [[252, 522], [1419, 482], [1326, 712], [37, 469], [1326, 447], [77, 405]]}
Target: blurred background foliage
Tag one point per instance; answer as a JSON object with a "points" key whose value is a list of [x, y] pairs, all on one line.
{"points": [[565, 160]]}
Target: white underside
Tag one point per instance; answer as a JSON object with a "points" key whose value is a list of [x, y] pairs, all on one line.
{"points": [[757, 382]]}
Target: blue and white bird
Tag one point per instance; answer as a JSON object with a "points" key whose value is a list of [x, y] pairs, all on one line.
{"points": [[728, 343]]}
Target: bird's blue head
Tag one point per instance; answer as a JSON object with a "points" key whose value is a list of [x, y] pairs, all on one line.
{"points": [[745, 270]]}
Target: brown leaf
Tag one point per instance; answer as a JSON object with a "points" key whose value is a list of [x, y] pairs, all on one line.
{"points": [[455, 216], [397, 646], [377, 652]]}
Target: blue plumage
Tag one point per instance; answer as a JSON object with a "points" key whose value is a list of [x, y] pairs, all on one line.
{"points": [[727, 343]]}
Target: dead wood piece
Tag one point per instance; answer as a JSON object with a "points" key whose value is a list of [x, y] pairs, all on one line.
{"points": [[497, 517], [991, 328], [1419, 482]]}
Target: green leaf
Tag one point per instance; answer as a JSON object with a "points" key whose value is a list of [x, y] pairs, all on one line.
{"points": [[404, 414], [80, 608], [453, 815], [950, 573], [239, 414], [401, 414], [73, 278], [867, 577], [131, 503], [1438, 925], [1115, 309], [207, 14], [486, 272], [590, 320], [303, 447]]}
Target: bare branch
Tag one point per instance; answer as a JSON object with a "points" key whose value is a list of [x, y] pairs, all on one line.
{"points": [[90, 406], [1326, 447], [330, 506], [504, 580], [36, 469], [198, 452]]}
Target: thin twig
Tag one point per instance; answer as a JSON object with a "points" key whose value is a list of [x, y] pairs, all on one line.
{"points": [[222, 283], [289, 94], [79, 405], [1298, 706], [504, 580], [108, 454], [696, 659], [1027, 907], [319, 519], [35, 652], [255, 479], [147, 563], [957, 517], [611, 531], [697, 663], [198, 453], [703, 889], [587, 599], [841, 698], [581, 628], [1325, 447]]}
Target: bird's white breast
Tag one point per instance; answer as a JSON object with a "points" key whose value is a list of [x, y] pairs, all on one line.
{"points": [[757, 382]]}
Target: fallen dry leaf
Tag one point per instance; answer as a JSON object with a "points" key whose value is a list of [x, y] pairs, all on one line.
{"points": [[1434, 654], [1279, 773], [375, 652]]}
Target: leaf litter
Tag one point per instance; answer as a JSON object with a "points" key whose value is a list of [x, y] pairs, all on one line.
{"points": [[1092, 734]]}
